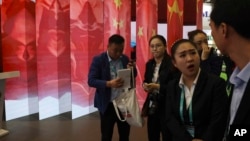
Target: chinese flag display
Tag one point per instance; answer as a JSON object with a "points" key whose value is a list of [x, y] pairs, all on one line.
{"points": [[174, 21], [52, 44], [117, 14], [146, 27]]}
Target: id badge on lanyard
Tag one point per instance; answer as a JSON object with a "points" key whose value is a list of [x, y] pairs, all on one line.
{"points": [[190, 128]]}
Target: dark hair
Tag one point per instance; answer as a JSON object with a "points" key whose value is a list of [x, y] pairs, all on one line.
{"points": [[177, 44], [234, 13], [116, 38], [160, 37], [193, 33]]}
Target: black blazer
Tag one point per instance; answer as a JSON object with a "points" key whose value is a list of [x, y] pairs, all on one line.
{"points": [[166, 73], [210, 109], [213, 63], [99, 73]]}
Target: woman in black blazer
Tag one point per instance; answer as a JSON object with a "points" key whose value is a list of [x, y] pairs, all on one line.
{"points": [[196, 103], [158, 73]]}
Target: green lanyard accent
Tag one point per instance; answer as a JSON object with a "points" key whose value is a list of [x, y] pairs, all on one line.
{"points": [[228, 89], [223, 73], [182, 101]]}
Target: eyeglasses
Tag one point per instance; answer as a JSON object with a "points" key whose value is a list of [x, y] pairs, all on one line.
{"points": [[201, 41], [156, 46]]}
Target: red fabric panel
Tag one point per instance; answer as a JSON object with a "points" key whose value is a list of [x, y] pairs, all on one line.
{"points": [[199, 7], [19, 48], [53, 48], [86, 41], [117, 14], [146, 27], [174, 21]]}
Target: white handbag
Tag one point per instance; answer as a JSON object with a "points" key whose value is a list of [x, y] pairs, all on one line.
{"points": [[128, 105]]}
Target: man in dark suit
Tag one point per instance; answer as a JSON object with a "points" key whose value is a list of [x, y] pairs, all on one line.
{"points": [[103, 76], [230, 22]]}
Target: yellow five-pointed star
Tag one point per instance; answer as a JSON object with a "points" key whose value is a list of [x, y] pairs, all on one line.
{"points": [[140, 31], [118, 24], [115, 23], [118, 3], [121, 24], [175, 9]]}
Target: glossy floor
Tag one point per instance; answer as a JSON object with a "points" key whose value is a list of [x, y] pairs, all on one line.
{"points": [[62, 128]]}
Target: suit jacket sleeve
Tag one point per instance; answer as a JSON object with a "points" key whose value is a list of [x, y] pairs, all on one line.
{"points": [[219, 112], [212, 64], [98, 73]]}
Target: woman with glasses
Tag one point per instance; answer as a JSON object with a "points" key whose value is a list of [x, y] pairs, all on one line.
{"points": [[158, 72]]}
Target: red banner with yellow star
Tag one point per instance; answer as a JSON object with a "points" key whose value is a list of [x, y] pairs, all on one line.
{"points": [[174, 21], [146, 27], [117, 14], [199, 9]]}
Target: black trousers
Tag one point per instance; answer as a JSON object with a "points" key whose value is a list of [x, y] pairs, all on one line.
{"points": [[108, 120], [156, 128]]}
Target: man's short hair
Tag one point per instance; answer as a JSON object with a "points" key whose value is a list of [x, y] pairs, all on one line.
{"points": [[116, 38], [234, 13]]}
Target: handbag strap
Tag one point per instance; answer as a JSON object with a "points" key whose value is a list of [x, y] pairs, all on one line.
{"points": [[133, 79], [115, 105], [117, 112]]}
